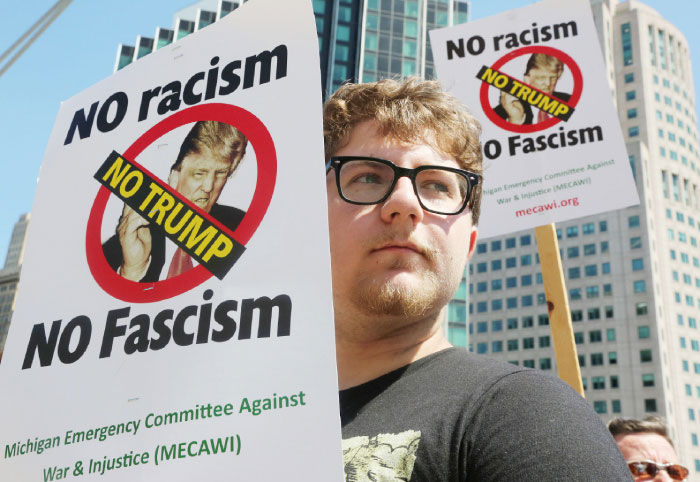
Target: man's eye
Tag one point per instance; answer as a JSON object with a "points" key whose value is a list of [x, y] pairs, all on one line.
{"points": [[436, 187], [367, 178]]}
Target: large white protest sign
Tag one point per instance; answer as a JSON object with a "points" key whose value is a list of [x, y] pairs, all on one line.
{"points": [[174, 317], [552, 144]]}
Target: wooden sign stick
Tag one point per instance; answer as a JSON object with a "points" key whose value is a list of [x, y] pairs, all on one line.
{"points": [[558, 307]]}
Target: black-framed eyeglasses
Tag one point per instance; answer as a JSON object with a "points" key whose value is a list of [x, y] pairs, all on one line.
{"points": [[369, 180], [646, 469]]}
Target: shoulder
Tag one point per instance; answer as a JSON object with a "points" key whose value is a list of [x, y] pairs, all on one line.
{"points": [[535, 420], [561, 95], [228, 215]]}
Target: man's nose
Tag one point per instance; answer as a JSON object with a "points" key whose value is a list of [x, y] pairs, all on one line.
{"points": [[402, 203], [207, 183], [662, 476]]}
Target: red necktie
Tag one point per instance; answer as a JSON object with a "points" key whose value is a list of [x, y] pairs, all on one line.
{"points": [[181, 262], [541, 116]]}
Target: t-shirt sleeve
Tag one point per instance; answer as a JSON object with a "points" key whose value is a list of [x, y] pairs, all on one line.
{"points": [[533, 427]]}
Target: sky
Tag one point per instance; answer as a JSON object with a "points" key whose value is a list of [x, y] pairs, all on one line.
{"points": [[79, 49]]}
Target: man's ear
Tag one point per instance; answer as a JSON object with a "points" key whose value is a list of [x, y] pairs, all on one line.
{"points": [[173, 177], [472, 241]]}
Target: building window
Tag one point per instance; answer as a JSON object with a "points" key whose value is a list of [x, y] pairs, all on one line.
{"points": [[640, 286], [598, 383], [610, 334], [626, 43], [482, 348], [629, 78], [600, 406], [643, 332], [572, 231], [545, 363], [577, 315], [612, 358], [633, 221], [595, 336], [637, 264], [529, 363], [596, 359], [512, 323], [544, 341], [614, 381], [650, 405], [512, 345], [528, 343], [616, 406], [633, 131], [645, 356], [630, 95], [648, 380]]}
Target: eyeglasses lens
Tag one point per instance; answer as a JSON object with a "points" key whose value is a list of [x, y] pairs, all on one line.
{"points": [[367, 181], [647, 470]]}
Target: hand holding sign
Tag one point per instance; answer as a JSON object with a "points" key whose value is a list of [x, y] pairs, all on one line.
{"points": [[135, 240], [513, 107]]}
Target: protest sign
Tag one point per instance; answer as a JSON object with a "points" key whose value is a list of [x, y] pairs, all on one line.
{"points": [[174, 317], [552, 144]]}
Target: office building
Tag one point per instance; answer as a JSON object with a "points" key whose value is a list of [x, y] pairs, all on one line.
{"points": [[633, 275], [359, 40], [9, 275]]}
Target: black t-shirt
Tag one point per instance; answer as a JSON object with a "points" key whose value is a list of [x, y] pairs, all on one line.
{"points": [[455, 416]]}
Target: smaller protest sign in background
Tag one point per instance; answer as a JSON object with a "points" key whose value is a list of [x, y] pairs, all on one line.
{"points": [[552, 144]]}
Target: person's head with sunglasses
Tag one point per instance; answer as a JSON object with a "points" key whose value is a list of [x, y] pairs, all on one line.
{"points": [[647, 449]]}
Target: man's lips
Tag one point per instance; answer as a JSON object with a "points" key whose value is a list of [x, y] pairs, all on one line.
{"points": [[399, 247]]}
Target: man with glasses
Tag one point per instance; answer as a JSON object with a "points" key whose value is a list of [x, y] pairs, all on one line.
{"points": [[647, 448], [403, 163]]}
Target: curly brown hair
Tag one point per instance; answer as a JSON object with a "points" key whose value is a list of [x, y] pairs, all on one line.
{"points": [[409, 110]]}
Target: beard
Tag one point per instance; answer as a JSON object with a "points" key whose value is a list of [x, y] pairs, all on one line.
{"points": [[431, 287]]}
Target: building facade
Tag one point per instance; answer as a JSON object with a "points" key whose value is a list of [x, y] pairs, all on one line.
{"points": [[633, 275], [9, 275], [358, 40]]}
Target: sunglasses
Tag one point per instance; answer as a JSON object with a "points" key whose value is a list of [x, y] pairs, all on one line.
{"points": [[646, 469]]}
